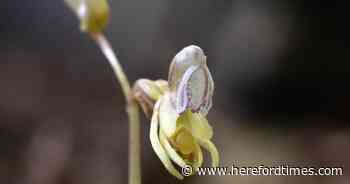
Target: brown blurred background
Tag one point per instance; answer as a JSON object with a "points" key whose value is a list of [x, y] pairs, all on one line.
{"points": [[281, 70]]}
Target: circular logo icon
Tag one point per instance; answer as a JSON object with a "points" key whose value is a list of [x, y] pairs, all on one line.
{"points": [[187, 170]]}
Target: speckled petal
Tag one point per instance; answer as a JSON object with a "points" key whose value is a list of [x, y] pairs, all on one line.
{"points": [[184, 93], [207, 103], [190, 82]]}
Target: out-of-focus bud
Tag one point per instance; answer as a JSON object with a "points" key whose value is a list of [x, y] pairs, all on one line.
{"points": [[93, 14], [190, 81], [146, 92]]}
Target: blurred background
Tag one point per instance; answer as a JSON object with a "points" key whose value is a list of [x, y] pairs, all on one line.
{"points": [[281, 70]]}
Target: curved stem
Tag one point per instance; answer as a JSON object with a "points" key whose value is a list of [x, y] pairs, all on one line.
{"points": [[132, 109]]}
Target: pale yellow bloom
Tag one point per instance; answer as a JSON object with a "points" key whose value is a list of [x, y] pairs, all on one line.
{"points": [[179, 127]]}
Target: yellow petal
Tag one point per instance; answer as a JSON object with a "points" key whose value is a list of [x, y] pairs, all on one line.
{"points": [[167, 116], [170, 150], [183, 140], [208, 145], [198, 160], [197, 123], [93, 14], [157, 147], [200, 126]]}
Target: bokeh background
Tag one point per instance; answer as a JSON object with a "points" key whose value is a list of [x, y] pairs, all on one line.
{"points": [[281, 70]]}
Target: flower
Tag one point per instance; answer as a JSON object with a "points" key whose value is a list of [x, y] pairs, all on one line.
{"points": [[179, 127]]}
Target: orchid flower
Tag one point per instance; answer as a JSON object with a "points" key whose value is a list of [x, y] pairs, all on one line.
{"points": [[179, 128]]}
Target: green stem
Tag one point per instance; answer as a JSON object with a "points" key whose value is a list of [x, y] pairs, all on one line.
{"points": [[132, 109]]}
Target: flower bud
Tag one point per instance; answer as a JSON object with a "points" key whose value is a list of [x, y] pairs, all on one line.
{"points": [[93, 14]]}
